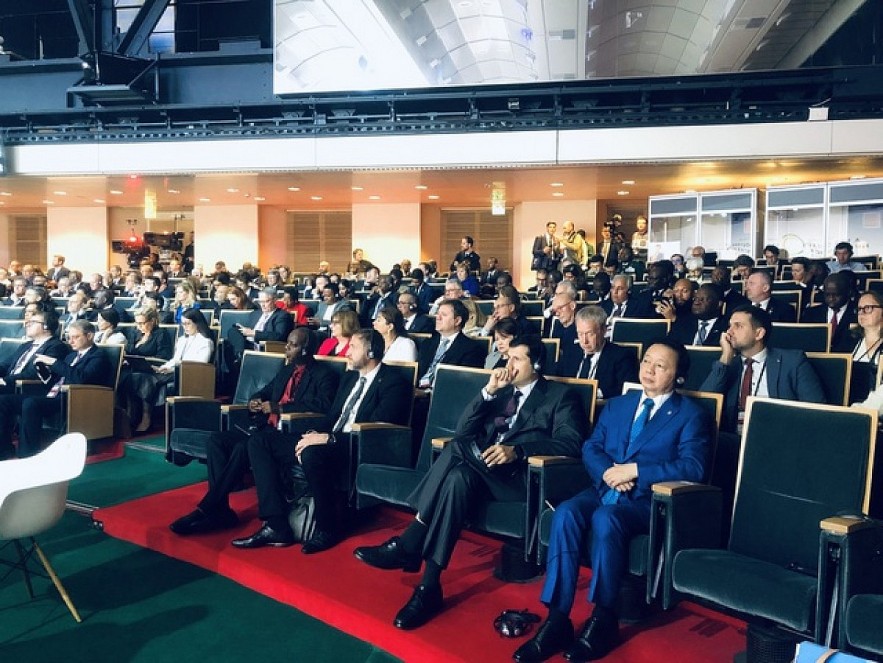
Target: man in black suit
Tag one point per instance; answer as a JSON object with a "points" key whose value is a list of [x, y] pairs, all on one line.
{"points": [[595, 357], [58, 270], [732, 298], [516, 415], [423, 294], [17, 294], [86, 364], [561, 324], [467, 254], [415, 322], [371, 391], [622, 304], [837, 311], [508, 305], [301, 385], [268, 323], [488, 281], [759, 289], [382, 297], [705, 322], [546, 249], [448, 345], [40, 331]]}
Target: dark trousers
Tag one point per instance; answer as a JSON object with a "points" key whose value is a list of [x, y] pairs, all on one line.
{"points": [[448, 493], [271, 454], [29, 411], [612, 527], [227, 461], [10, 409]]}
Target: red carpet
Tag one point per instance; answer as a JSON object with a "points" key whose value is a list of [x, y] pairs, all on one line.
{"points": [[339, 590], [102, 450]]}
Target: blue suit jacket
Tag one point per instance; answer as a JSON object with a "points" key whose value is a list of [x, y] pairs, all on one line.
{"points": [[675, 445]]}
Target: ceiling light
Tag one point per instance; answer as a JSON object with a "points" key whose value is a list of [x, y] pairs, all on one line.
{"points": [[432, 197], [232, 190], [133, 177], [421, 187], [116, 192], [373, 197], [857, 177], [59, 193], [205, 200], [315, 197], [358, 188], [259, 199], [557, 184], [628, 182], [558, 194], [174, 191], [622, 193], [5, 193], [98, 200], [48, 202], [294, 188]]}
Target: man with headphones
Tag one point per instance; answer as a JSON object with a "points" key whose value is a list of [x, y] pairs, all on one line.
{"points": [[641, 438], [415, 322], [370, 391], [516, 415], [301, 385]]}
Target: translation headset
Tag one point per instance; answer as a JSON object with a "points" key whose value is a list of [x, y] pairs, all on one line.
{"points": [[515, 623]]}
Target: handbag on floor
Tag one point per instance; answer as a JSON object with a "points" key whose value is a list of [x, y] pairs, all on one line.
{"points": [[302, 516]]}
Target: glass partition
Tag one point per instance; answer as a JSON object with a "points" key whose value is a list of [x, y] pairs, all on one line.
{"points": [[795, 220]]}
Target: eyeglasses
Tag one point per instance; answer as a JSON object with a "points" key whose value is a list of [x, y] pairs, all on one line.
{"points": [[868, 308]]}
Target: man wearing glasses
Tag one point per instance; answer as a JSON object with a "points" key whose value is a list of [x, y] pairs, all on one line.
{"points": [[40, 332]]}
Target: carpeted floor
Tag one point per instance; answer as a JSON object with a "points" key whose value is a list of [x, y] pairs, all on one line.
{"points": [[359, 600]]}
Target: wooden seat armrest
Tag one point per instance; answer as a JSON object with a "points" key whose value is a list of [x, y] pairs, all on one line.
{"points": [[85, 387], [226, 409], [28, 382], [422, 393], [843, 525], [291, 416], [376, 425], [171, 400], [543, 461], [441, 442], [670, 488]]}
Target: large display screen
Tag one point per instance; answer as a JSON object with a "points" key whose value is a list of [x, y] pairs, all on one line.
{"points": [[344, 45]]}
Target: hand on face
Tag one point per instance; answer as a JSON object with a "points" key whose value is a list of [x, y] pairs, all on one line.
{"points": [[500, 378]]}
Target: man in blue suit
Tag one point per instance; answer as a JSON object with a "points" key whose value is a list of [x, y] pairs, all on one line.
{"points": [[640, 439]]}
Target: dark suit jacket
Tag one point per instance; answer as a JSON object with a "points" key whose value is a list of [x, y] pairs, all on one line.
{"points": [[93, 368], [463, 352], [789, 375], [422, 324], [278, 327], [424, 295], [684, 328], [616, 365], [675, 445], [158, 345], [314, 392], [386, 399], [53, 347], [781, 311], [541, 260], [733, 300], [842, 341], [636, 307], [552, 421], [367, 311], [55, 273]]}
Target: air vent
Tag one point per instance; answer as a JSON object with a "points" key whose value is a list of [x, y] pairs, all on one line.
{"points": [[750, 23]]}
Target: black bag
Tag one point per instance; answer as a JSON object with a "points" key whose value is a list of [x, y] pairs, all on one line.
{"points": [[302, 517]]}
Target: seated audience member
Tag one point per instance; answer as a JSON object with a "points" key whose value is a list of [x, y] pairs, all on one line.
{"points": [[742, 267], [41, 339], [621, 304], [600, 291], [516, 415], [772, 256], [640, 439], [843, 259], [149, 340], [748, 366], [504, 332], [344, 324], [421, 291], [371, 391], [238, 300], [62, 288], [288, 301], [77, 309], [508, 305], [561, 325], [801, 275], [219, 299], [448, 345], [107, 321], [596, 358], [85, 364], [596, 265], [185, 299], [301, 385], [680, 265], [329, 305], [705, 323], [837, 311], [866, 353], [196, 344], [759, 291], [17, 295], [383, 295], [467, 280], [270, 323], [680, 303], [390, 324], [629, 265], [415, 322], [732, 298], [488, 279], [660, 279]]}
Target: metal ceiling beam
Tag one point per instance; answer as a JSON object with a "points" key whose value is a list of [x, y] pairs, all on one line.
{"points": [[821, 32], [83, 23], [145, 21]]}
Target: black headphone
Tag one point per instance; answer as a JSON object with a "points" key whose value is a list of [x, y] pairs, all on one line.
{"points": [[515, 623], [376, 346], [412, 306]]}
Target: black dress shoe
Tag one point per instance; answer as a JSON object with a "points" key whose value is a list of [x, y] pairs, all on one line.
{"points": [[548, 641], [319, 542], [597, 639], [425, 603], [266, 536], [200, 522], [389, 555]]}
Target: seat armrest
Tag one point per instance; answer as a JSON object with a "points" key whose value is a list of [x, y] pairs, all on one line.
{"points": [[845, 525], [548, 461], [439, 443], [227, 409], [683, 515], [293, 416], [377, 425], [380, 443], [175, 400]]}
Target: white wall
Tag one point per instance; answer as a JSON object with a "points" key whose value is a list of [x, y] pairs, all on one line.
{"points": [[387, 233], [225, 232], [81, 235]]}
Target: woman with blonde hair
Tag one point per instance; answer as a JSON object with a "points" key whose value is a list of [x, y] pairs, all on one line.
{"points": [[185, 299], [344, 324]]}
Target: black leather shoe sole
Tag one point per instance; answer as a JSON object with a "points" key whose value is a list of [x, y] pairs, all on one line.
{"points": [[389, 557], [264, 538], [425, 604]]}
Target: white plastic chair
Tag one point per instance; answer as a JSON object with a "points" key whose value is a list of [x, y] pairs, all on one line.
{"points": [[33, 492]]}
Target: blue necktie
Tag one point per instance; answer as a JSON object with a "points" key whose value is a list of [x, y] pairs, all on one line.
{"points": [[612, 496]]}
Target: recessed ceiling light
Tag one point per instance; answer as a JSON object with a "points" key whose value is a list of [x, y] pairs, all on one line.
{"points": [[294, 188], [133, 177], [59, 193], [857, 177], [628, 182], [373, 197], [98, 200], [432, 197], [358, 188], [558, 194], [259, 199], [622, 193], [315, 197], [232, 190], [557, 184], [174, 191], [116, 192], [205, 200], [2, 202], [421, 187], [5, 193], [48, 202]]}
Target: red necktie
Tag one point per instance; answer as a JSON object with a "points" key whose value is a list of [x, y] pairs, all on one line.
{"points": [[290, 388], [833, 328], [745, 391]]}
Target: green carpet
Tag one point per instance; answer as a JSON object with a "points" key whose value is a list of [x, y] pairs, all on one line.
{"points": [[142, 607]]}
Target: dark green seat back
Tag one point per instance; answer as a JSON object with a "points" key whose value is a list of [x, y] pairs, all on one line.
{"points": [[12, 312], [806, 337], [644, 332], [835, 372], [701, 359], [258, 369], [12, 328]]}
